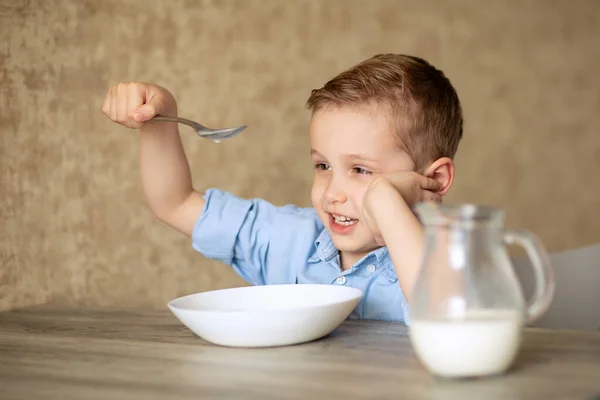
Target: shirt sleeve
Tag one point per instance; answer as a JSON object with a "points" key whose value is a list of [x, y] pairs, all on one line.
{"points": [[253, 236]]}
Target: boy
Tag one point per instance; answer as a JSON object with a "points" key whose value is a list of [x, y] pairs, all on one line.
{"points": [[383, 135]]}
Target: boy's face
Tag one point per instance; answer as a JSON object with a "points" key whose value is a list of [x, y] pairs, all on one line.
{"points": [[350, 146]]}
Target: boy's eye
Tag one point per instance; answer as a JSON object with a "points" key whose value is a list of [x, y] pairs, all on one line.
{"points": [[322, 166], [361, 171]]}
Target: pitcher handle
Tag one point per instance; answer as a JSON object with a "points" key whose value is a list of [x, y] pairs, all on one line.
{"points": [[544, 274]]}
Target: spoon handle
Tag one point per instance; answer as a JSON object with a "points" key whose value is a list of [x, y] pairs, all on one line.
{"points": [[184, 121]]}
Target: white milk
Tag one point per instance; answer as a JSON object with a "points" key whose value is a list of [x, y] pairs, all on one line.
{"points": [[483, 343]]}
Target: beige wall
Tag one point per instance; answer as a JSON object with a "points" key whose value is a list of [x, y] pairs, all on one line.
{"points": [[74, 226]]}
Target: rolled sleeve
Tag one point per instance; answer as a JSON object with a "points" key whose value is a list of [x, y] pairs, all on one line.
{"points": [[236, 232], [216, 231]]}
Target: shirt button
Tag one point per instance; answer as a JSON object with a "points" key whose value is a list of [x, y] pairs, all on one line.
{"points": [[371, 268], [341, 280]]}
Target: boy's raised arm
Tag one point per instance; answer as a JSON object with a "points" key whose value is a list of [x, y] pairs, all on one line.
{"points": [[164, 169]]}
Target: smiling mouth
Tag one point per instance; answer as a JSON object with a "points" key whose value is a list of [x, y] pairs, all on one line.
{"points": [[343, 220]]}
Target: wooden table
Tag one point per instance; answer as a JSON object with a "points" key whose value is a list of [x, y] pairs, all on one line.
{"points": [[112, 354]]}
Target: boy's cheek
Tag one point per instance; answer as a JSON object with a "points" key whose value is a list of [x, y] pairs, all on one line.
{"points": [[319, 184], [316, 193], [359, 197]]}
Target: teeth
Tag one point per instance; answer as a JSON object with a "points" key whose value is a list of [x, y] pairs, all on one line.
{"points": [[342, 220]]}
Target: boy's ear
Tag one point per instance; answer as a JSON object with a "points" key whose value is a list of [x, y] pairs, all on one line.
{"points": [[442, 170]]}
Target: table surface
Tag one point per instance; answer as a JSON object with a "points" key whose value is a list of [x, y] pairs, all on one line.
{"points": [[110, 354]]}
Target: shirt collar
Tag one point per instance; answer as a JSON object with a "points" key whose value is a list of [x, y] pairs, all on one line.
{"points": [[325, 251], [381, 258]]}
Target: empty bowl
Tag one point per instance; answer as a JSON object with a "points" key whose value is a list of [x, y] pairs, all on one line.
{"points": [[263, 316]]}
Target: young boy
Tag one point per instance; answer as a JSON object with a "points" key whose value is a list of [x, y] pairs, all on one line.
{"points": [[383, 135]]}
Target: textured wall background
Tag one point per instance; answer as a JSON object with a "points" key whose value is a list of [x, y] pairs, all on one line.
{"points": [[74, 225]]}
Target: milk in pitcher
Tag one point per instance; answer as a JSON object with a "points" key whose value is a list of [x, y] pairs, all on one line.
{"points": [[481, 343]]}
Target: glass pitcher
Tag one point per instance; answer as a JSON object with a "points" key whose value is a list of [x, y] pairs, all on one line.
{"points": [[467, 308]]}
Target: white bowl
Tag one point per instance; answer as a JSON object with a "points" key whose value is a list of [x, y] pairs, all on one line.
{"points": [[262, 316]]}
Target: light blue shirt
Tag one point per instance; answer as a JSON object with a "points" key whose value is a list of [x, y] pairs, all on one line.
{"points": [[267, 244]]}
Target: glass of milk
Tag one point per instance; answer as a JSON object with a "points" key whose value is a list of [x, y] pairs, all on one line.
{"points": [[467, 309]]}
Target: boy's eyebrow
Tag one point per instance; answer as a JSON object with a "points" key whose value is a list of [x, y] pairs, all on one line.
{"points": [[361, 156], [352, 156]]}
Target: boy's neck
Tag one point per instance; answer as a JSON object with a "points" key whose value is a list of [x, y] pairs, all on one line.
{"points": [[347, 260]]}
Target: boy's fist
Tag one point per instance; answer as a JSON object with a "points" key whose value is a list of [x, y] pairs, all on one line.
{"points": [[132, 103]]}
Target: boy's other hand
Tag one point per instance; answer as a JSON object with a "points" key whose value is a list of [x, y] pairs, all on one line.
{"points": [[381, 198], [412, 186], [132, 103]]}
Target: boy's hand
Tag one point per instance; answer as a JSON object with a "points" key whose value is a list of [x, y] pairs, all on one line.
{"points": [[386, 192], [132, 103], [412, 186]]}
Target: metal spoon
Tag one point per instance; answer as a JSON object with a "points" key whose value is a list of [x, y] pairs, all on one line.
{"points": [[216, 135]]}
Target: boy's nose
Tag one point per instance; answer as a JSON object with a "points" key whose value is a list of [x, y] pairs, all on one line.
{"points": [[335, 195]]}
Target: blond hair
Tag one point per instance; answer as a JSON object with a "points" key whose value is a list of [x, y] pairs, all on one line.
{"points": [[425, 109]]}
